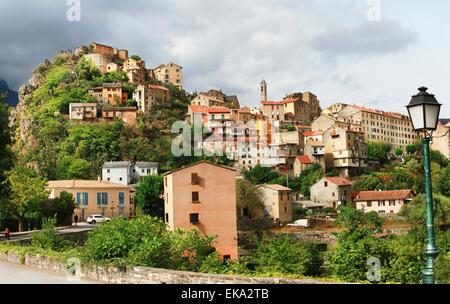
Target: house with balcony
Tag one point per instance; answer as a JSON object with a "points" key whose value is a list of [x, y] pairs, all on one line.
{"points": [[83, 111], [203, 195]]}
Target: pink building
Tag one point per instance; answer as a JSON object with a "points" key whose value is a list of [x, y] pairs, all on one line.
{"points": [[127, 114], [203, 195]]}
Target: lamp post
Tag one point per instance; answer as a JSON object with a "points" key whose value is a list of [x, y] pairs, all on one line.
{"points": [[424, 113], [112, 209]]}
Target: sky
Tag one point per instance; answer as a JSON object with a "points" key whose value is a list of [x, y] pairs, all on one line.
{"points": [[373, 53]]}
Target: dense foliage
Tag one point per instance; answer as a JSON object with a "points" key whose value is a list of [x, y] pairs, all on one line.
{"points": [[62, 208], [249, 199], [148, 196]]}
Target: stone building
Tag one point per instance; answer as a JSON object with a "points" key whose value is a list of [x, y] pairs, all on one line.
{"points": [[207, 101], [149, 95], [83, 111], [332, 191], [203, 195], [95, 197], [441, 140], [277, 202], [127, 114]]}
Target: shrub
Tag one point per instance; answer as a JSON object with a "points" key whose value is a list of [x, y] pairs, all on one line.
{"points": [[47, 237], [285, 255], [299, 211]]}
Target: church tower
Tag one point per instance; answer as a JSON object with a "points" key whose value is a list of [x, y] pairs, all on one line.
{"points": [[263, 88]]}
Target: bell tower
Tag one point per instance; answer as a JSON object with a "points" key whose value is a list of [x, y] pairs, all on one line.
{"points": [[263, 90]]}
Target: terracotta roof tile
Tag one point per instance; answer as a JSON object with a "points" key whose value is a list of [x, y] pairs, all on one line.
{"points": [[277, 187], [84, 184], [381, 195], [304, 159]]}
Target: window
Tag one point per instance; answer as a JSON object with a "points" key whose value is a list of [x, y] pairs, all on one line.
{"points": [[167, 217], [193, 217], [369, 204], [149, 171], [326, 184], [120, 211], [194, 179], [108, 171], [82, 199], [195, 197], [121, 198], [120, 178], [102, 198]]}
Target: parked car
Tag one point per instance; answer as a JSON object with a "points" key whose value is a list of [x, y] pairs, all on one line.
{"points": [[97, 219], [301, 223]]}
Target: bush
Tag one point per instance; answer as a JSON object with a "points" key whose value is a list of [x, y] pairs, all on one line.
{"points": [[47, 238], [145, 241], [299, 211], [285, 255]]}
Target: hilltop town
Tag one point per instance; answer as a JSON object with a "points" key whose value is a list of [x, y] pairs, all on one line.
{"points": [[97, 124]]}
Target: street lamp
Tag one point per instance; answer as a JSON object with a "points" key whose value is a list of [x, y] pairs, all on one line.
{"points": [[112, 209], [424, 113]]}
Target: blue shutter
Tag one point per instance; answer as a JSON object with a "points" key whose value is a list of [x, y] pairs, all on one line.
{"points": [[99, 198], [121, 198], [106, 198], [78, 198], [86, 199]]}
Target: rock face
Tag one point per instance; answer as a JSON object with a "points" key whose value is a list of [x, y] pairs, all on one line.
{"points": [[19, 119]]}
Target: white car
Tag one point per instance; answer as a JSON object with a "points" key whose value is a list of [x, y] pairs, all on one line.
{"points": [[97, 219]]}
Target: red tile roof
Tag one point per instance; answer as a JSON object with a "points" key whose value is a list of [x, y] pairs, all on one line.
{"points": [[159, 87], [304, 159], [381, 195], [198, 109], [219, 110], [340, 181], [277, 187]]}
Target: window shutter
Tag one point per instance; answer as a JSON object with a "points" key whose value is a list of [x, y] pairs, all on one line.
{"points": [[78, 198], [99, 198], [106, 198], [121, 198], [86, 199]]}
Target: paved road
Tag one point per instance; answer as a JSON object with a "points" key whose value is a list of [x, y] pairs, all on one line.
{"points": [[79, 228], [20, 274]]}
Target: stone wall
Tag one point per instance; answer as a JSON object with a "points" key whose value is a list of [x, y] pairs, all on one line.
{"points": [[256, 224], [144, 275]]}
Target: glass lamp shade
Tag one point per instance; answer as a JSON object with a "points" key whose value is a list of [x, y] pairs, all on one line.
{"points": [[424, 111]]}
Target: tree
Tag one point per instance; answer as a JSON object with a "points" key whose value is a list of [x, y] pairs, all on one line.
{"points": [[367, 183], [399, 151], [410, 149], [415, 211], [79, 169], [6, 155], [443, 182], [62, 208], [261, 175], [378, 150], [27, 192], [248, 198], [438, 157], [135, 57], [148, 197]]}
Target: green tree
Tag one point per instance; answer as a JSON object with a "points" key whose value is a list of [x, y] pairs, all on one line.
{"points": [[79, 169], [6, 155], [367, 183], [410, 149], [261, 175], [399, 151], [62, 208], [248, 198], [148, 197], [378, 150], [284, 255], [27, 192], [135, 57], [442, 184]]}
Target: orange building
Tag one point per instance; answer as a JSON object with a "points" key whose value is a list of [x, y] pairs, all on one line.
{"points": [[127, 114], [113, 93], [203, 195]]}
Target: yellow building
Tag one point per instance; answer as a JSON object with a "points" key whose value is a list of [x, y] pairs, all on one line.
{"points": [[94, 197], [170, 73]]}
